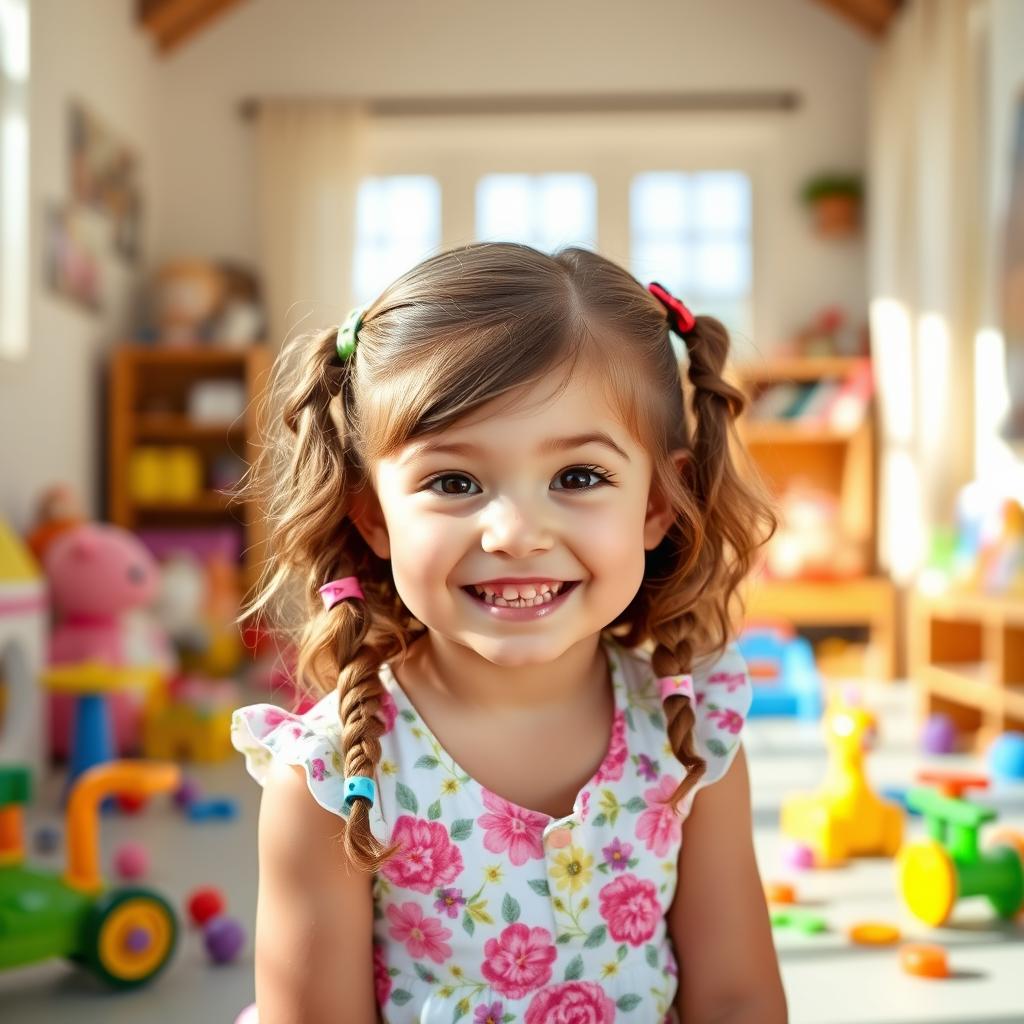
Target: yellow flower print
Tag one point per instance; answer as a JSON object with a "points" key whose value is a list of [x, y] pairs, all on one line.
{"points": [[572, 869], [493, 873], [389, 767], [449, 786], [610, 969]]}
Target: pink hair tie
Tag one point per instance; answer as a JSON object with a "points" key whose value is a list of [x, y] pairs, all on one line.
{"points": [[337, 590], [671, 685]]}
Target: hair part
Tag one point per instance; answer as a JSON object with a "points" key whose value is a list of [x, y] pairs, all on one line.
{"points": [[454, 333]]}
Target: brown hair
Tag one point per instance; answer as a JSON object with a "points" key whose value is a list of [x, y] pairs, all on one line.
{"points": [[453, 333]]}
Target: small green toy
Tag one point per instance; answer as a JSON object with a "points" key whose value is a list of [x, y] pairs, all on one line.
{"points": [[125, 936], [934, 873]]}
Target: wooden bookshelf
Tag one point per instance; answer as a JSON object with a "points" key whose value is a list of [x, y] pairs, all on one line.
{"points": [[839, 460], [148, 406], [967, 660]]}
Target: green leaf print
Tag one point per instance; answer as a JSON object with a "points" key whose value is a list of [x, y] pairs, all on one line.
{"points": [[622, 951], [629, 719], [510, 908], [575, 968], [656, 720], [424, 974], [509, 1018], [434, 810], [628, 1002], [461, 1008], [717, 747], [407, 798], [636, 805], [540, 886], [408, 715], [427, 761], [467, 923], [596, 937], [651, 955], [462, 828], [400, 996], [600, 819]]}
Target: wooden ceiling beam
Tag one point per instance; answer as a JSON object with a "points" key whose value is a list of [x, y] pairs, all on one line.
{"points": [[171, 22], [870, 16]]}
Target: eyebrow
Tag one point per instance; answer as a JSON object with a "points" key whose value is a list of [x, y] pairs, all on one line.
{"points": [[552, 444]]}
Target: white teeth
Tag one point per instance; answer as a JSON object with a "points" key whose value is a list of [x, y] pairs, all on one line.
{"points": [[529, 595]]}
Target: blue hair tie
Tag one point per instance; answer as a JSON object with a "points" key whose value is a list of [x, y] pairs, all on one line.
{"points": [[359, 786]]}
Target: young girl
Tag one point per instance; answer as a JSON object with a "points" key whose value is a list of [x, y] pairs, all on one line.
{"points": [[513, 543]]}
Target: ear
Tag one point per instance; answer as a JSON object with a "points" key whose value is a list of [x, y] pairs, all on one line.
{"points": [[368, 518], [659, 512]]}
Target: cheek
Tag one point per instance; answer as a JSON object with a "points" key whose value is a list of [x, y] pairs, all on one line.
{"points": [[423, 550], [613, 546]]}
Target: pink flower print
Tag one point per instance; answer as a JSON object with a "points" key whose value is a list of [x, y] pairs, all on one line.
{"points": [[427, 858], [616, 854], [489, 1014], [630, 906], [730, 680], [512, 828], [275, 716], [573, 1002], [611, 766], [519, 960], [584, 805], [660, 826], [700, 698], [727, 719], [422, 936], [646, 768], [381, 978], [387, 711], [318, 769], [449, 901]]}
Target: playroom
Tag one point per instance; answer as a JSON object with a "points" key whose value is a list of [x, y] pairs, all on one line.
{"points": [[736, 734]]}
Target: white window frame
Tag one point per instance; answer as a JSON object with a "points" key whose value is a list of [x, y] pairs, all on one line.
{"points": [[459, 149]]}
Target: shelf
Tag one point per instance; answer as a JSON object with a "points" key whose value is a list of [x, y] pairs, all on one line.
{"points": [[171, 427], [204, 504], [797, 368], [774, 432]]}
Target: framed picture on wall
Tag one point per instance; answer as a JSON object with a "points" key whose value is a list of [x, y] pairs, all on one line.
{"points": [[72, 267]]}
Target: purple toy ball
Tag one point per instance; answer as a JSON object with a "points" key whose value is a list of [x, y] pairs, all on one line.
{"points": [[938, 735], [798, 856], [187, 793], [1006, 757], [224, 938], [131, 860]]}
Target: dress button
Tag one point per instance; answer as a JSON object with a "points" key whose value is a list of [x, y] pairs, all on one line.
{"points": [[559, 837]]}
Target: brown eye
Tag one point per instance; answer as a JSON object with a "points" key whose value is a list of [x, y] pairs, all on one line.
{"points": [[451, 483], [581, 478]]}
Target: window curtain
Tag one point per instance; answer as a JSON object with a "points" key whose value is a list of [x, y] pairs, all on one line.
{"points": [[310, 158], [925, 245]]}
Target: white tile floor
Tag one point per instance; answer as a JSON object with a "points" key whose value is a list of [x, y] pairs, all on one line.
{"points": [[828, 981]]}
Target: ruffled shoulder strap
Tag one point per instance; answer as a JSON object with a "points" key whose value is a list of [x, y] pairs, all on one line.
{"points": [[265, 733], [720, 692]]}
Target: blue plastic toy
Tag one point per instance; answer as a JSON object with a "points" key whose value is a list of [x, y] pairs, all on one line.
{"points": [[1006, 757], [785, 677]]}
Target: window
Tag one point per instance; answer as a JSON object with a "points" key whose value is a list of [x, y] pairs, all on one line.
{"points": [[14, 260], [398, 223], [547, 211], [691, 232]]}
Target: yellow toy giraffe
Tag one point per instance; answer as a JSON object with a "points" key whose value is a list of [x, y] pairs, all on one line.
{"points": [[844, 818]]}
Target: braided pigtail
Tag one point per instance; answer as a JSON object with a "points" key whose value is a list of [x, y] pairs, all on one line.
{"points": [[313, 540], [735, 519]]}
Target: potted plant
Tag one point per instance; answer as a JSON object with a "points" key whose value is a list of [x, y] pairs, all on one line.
{"points": [[835, 200]]}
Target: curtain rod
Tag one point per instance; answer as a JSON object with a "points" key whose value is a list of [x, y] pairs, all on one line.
{"points": [[425, 106]]}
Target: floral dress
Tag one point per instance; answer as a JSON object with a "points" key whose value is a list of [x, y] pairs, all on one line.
{"points": [[491, 913]]}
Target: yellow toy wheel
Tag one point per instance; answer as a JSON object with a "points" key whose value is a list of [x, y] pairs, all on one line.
{"points": [[927, 881], [130, 936]]}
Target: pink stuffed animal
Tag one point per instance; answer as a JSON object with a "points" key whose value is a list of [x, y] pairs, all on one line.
{"points": [[98, 574]]}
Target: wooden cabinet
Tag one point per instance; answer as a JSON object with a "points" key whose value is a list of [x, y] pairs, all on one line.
{"points": [[967, 660], [163, 456], [835, 455]]}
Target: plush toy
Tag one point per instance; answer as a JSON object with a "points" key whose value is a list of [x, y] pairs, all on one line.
{"points": [[100, 578]]}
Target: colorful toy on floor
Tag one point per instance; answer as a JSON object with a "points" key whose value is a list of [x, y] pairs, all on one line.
{"points": [[844, 818], [131, 860], [1006, 757], [214, 808], [873, 933], [782, 669], [924, 961], [934, 873], [224, 938], [124, 936], [779, 892], [191, 720], [795, 919], [938, 735], [798, 856], [205, 904]]}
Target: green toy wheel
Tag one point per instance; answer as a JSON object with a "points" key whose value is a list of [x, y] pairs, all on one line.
{"points": [[1007, 847], [129, 937]]}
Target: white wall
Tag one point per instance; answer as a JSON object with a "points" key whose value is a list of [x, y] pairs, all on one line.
{"points": [[464, 47], [50, 426]]}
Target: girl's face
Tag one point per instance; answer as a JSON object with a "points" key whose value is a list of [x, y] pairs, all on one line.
{"points": [[544, 487]]}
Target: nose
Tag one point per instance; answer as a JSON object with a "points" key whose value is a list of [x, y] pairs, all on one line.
{"points": [[511, 526]]}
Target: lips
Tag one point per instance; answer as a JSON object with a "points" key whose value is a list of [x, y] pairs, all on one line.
{"points": [[521, 594]]}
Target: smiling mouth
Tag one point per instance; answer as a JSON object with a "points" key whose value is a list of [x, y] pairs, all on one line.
{"points": [[545, 594]]}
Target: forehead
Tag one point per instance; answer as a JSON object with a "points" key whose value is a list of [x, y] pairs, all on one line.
{"points": [[552, 414]]}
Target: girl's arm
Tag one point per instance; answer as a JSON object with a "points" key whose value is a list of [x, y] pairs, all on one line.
{"points": [[314, 918], [728, 970]]}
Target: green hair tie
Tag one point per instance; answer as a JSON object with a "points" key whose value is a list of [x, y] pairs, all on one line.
{"points": [[348, 333]]}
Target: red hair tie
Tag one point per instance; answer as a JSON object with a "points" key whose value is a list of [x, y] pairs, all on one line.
{"points": [[680, 318]]}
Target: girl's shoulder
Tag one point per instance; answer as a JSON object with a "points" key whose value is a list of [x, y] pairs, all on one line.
{"points": [[720, 693]]}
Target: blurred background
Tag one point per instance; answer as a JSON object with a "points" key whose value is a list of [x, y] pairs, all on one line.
{"points": [[184, 183]]}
